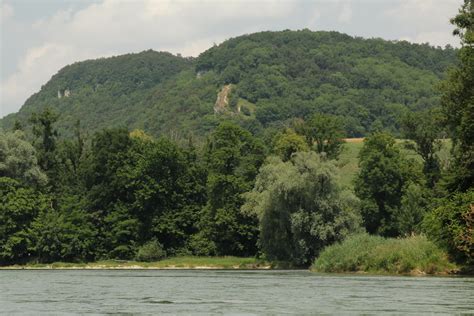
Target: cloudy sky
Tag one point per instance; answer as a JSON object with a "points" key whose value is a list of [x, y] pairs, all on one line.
{"points": [[39, 37]]}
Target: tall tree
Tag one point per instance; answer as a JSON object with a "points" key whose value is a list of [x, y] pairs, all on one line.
{"points": [[167, 189], [46, 139], [233, 157], [451, 222], [325, 133], [383, 176], [458, 101], [424, 128]]}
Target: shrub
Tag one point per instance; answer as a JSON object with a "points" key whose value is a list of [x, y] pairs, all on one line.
{"points": [[368, 253], [151, 251], [451, 225]]}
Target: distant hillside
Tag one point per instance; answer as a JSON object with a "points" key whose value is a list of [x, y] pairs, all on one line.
{"points": [[265, 79]]}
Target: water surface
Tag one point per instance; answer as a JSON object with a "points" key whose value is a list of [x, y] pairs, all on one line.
{"points": [[151, 292]]}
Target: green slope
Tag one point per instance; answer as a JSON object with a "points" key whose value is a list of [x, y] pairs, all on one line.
{"points": [[275, 76]]}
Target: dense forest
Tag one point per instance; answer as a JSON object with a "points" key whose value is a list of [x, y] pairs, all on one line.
{"points": [[155, 168], [269, 78]]}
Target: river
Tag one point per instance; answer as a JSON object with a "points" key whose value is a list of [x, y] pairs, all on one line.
{"points": [[205, 292]]}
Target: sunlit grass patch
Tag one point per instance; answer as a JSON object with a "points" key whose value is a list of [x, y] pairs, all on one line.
{"points": [[374, 254], [185, 262]]}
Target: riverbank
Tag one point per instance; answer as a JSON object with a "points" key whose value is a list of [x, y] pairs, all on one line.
{"points": [[239, 263], [185, 262]]}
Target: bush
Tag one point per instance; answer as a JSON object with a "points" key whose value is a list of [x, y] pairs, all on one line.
{"points": [[451, 225], [151, 251], [368, 253], [202, 246]]}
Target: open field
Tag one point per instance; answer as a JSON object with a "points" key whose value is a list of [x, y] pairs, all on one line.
{"points": [[348, 160]]}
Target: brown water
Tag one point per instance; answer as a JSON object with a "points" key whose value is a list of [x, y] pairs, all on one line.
{"points": [[152, 292]]}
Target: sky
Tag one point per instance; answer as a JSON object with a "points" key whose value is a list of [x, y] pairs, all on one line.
{"points": [[39, 37]]}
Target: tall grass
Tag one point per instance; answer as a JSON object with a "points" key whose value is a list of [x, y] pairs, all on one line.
{"points": [[374, 254]]}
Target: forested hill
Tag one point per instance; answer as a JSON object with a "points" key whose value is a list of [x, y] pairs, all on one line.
{"points": [[264, 79]]}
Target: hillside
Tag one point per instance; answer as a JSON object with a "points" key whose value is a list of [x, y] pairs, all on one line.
{"points": [[274, 76]]}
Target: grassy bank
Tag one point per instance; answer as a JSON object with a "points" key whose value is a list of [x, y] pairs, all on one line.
{"points": [[372, 254], [188, 262]]}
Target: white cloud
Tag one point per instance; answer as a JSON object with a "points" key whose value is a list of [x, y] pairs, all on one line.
{"points": [[345, 15], [113, 27], [34, 69], [6, 12], [433, 38], [116, 27], [424, 21]]}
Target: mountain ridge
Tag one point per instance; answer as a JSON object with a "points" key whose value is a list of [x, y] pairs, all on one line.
{"points": [[276, 76]]}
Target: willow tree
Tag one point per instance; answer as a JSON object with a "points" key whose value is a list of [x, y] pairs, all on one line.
{"points": [[301, 207]]}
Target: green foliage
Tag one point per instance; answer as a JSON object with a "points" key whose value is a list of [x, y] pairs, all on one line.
{"points": [[45, 140], [151, 251], [200, 244], [116, 194], [375, 254], [102, 92], [19, 206], [233, 157], [108, 154], [283, 75], [424, 128], [62, 236], [414, 206], [18, 160], [458, 102], [383, 177], [325, 133], [301, 208], [451, 224], [167, 190], [288, 143], [120, 232]]}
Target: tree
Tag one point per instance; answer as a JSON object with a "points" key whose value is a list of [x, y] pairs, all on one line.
{"points": [[451, 224], [288, 143], [325, 133], [121, 233], [301, 208], [383, 176], [166, 185], [109, 150], [458, 102], [18, 160], [18, 208], [233, 157], [59, 235], [424, 128], [46, 138], [71, 158]]}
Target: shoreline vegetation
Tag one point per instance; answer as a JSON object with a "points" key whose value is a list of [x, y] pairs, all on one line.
{"points": [[430, 261], [184, 262], [364, 253]]}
